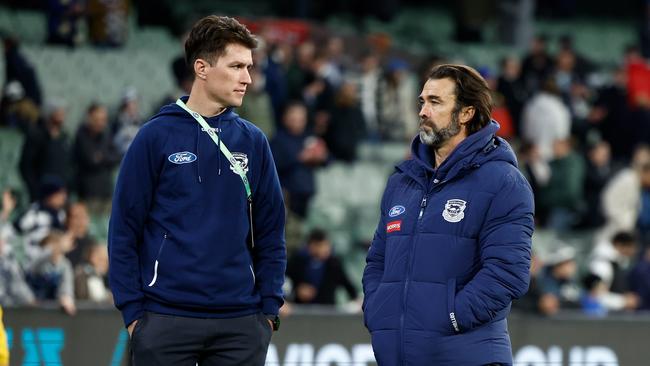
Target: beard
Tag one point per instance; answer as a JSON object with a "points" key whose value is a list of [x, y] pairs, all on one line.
{"points": [[438, 136]]}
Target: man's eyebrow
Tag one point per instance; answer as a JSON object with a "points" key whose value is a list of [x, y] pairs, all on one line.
{"points": [[429, 97]]}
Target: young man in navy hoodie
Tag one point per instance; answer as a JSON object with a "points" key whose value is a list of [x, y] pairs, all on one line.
{"points": [[453, 244], [196, 237]]}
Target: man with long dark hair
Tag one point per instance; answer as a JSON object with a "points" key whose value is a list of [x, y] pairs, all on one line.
{"points": [[453, 245]]}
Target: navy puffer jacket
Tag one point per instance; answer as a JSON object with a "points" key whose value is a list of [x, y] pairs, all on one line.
{"points": [[451, 251]]}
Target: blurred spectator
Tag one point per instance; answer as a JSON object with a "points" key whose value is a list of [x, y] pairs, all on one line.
{"points": [[536, 170], [591, 300], [18, 68], [14, 290], [63, 17], [545, 119], [77, 224], [108, 22], [274, 59], [8, 202], [537, 65], [300, 69], [612, 115], [258, 107], [564, 72], [95, 158], [397, 109], [570, 82], [46, 151], [640, 280], [316, 272], [643, 222], [318, 92], [621, 197], [501, 114], [558, 287], [43, 216], [600, 168], [346, 127], [583, 66], [91, 281], [128, 121], [335, 61], [368, 90], [611, 261], [51, 276], [296, 155], [511, 87], [561, 199], [16, 110]]}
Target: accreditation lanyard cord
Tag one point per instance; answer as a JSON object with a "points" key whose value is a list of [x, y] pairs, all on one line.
{"points": [[233, 162]]}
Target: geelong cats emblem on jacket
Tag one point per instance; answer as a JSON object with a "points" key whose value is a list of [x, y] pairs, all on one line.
{"points": [[454, 210], [242, 159]]}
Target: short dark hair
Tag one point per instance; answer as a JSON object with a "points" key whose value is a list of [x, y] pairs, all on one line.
{"points": [[317, 235], [471, 90], [94, 106], [211, 35], [590, 281], [624, 238]]}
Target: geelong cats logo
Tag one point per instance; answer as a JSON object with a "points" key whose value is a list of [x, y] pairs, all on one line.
{"points": [[242, 159], [454, 210]]}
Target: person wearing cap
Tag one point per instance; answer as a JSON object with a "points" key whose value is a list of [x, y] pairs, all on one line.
{"points": [[196, 236], [453, 245], [558, 286]]}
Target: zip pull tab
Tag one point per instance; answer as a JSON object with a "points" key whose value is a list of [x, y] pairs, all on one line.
{"points": [[422, 206]]}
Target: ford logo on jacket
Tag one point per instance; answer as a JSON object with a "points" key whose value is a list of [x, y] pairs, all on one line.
{"points": [[182, 157]]}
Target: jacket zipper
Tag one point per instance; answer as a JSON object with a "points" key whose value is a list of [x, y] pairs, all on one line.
{"points": [[155, 265], [423, 205]]}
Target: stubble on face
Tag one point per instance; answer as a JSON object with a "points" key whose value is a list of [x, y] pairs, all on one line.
{"points": [[436, 137]]}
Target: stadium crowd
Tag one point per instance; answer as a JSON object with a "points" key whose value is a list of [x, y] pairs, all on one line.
{"points": [[582, 142]]}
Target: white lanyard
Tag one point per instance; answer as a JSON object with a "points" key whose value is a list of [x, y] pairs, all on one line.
{"points": [[233, 162]]}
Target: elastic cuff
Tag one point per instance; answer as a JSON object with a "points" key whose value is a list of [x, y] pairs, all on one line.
{"points": [[271, 305], [131, 311]]}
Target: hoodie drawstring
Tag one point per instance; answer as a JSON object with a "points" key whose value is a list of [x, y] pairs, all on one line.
{"points": [[198, 160], [219, 152]]}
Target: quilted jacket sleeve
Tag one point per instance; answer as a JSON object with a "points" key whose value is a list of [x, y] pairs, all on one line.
{"points": [[505, 249]]}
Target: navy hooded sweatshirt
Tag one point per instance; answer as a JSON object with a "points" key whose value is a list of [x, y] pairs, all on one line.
{"points": [[451, 251], [179, 228]]}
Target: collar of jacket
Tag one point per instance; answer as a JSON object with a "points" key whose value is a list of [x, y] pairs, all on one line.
{"points": [[469, 154]]}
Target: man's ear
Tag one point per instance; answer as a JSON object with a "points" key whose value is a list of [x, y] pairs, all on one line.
{"points": [[466, 114], [201, 68]]}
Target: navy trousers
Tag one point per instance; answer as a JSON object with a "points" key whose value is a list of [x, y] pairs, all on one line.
{"points": [[168, 340]]}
